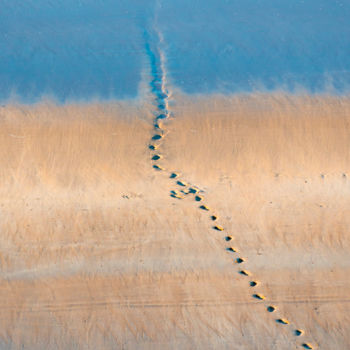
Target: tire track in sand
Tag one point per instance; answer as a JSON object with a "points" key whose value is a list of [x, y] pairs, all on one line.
{"points": [[153, 46]]}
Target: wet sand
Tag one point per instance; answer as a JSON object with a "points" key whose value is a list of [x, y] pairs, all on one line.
{"points": [[96, 253]]}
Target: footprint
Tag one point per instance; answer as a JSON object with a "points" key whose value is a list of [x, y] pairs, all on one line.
{"points": [[282, 321], [204, 207], [244, 272], [271, 308], [176, 196], [298, 332], [156, 137], [152, 147], [307, 346], [218, 228], [158, 125], [194, 190], [214, 217], [156, 157], [239, 260], [231, 249], [157, 167], [173, 175], [162, 95], [228, 238], [253, 283], [161, 116], [258, 296], [181, 183], [198, 198]]}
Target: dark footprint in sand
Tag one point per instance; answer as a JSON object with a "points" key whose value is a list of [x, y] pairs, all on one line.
{"points": [[258, 296], [157, 167], [198, 198], [228, 238], [176, 196], [204, 207], [244, 273], [239, 260], [282, 321], [298, 332], [307, 346], [271, 309], [231, 249], [218, 228], [181, 183], [253, 283], [214, 217], [162, 116], [193, 190], [152, 147], [173, 175], [156, 137], [158, 126], [156, 157]]}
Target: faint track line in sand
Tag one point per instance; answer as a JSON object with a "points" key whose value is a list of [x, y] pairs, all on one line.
{"points": [[161, 94]]}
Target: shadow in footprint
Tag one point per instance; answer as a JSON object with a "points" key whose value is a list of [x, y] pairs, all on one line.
{"points": [[158, 125], [204, 207], [239, 260], [173, 175], [298, 332], [181, 183], [214, 217], [228, 238], [218, 228], [307, 346], [198, 198], [282, 321], [156, 157], [193, 190], [157, 167], [231, 249], [152, 147], [258, 296], [175, 196], [270, 308], [156, 137], [253, 283], [244, 273]]}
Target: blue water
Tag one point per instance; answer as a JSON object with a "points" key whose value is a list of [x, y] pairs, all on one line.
{"points": [[79, 50]]}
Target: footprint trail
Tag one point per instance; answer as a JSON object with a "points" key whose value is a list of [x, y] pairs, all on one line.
{"points": [[154, 44]]}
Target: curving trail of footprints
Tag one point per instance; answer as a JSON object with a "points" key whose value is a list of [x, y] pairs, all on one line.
{"points": [[184, 189]]}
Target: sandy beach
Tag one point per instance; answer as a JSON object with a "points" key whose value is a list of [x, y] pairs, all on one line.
{"points": [[100, 250]]}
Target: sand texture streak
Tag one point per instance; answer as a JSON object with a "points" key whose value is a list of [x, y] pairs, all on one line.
{"points": [[223, 226]]}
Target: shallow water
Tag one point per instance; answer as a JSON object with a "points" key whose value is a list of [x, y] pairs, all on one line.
{"points": [[96, 49]]}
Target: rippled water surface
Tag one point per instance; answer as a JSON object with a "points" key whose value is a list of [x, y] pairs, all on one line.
{"points": [[96, 49]]}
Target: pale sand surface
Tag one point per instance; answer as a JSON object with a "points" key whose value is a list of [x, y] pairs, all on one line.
{"points": [[95, 254]]}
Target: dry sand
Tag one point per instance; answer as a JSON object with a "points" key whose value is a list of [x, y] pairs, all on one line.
{"points": [[96, 254]]}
